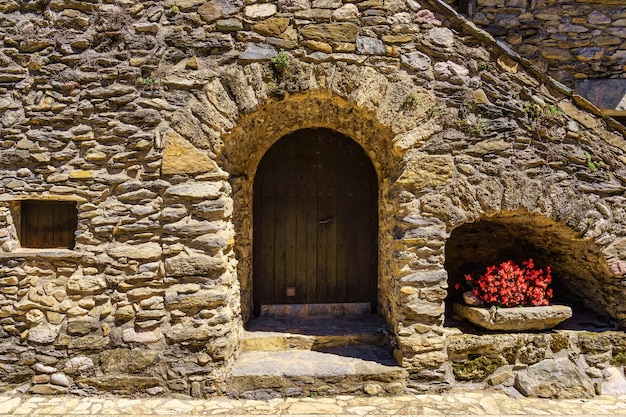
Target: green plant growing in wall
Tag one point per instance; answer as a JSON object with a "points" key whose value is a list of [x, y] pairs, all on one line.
{"points": [[593, 164], [543, 120], [479, 128], [174, 9], [280, 65], [150, 82], [280, 62], [485, 66], [432, 112], [411, 100], [532, 111]]}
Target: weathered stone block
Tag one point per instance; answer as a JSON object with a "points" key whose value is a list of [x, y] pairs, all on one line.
{"points": [[197, 264], [427, 171], [554, 378], [515, 318], [195, 190], [79, 284], [142, 251], [210, 298], [126, 360], [44, 333], [181, 157], [188, 333], [331, 32]]}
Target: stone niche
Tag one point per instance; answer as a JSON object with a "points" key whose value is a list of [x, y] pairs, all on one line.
{"points": [[575, 265]]}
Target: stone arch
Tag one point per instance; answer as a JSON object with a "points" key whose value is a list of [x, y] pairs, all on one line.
{"points": [[256, 132], [580, 272], [555, 223]]}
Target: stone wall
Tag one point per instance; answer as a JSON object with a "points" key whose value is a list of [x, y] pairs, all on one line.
{"points": [[152, 116], [572, 40]]}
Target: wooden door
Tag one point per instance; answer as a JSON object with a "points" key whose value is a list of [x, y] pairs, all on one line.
{"points": [[315, 222]]}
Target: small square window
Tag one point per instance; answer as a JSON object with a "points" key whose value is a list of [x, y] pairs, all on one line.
{"points": [[48, 224]]}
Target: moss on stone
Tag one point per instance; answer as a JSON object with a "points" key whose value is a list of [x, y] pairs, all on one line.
{"points": [[558, 342], [618, 357], [477, 368]]}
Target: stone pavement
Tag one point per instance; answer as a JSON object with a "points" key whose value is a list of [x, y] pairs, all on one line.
{"points": [[481, 403]]}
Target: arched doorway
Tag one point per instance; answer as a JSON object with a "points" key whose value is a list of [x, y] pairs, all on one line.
{"points": [[315, 222]]}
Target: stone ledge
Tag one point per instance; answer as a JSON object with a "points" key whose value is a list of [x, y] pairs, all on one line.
{"points": [[515, 318], [43, 254]]}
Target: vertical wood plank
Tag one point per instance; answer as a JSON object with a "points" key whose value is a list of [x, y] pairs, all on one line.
{"points": [[280, 227], [303, 151], [312, 252], [291, 214], [322, 214], [344, 160], [264, 235], [352, 206]]}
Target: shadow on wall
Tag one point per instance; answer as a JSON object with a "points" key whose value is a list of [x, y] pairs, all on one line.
{"points": [[576, 267]]}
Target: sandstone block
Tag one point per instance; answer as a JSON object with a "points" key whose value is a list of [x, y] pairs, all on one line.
{"points": [[142, 251], [130, 383], [89, 342], [181, 157], [124, 313], [272, 27], [126, 360], [260, 11], [78, 365], [515, 318], [554, 378], [79, 284], [80, 326], [47, 389], [331, 32], [203, 299], [187, 333], [196, 190], [212, 10], [44, 333], [146, 337], [346, 12], [427, 171], [556, 54], [202, 265], [440, 36]]}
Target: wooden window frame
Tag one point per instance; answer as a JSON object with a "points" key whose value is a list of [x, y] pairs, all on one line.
{"points": [[48, 224]]}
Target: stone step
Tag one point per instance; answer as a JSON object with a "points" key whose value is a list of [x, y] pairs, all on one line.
{"points": [[341, 370], [285, 333]]}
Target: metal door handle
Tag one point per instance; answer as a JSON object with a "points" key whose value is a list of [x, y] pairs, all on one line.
{"points": [[325, 220]]}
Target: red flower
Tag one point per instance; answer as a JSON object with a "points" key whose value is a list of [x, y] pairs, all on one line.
{"points": [[508, 285]]}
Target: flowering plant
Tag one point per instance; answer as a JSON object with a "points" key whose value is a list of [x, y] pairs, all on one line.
{"points": [[508, 285]]}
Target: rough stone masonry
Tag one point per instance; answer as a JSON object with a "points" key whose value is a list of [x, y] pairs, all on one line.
{"points": [[151, 118]]}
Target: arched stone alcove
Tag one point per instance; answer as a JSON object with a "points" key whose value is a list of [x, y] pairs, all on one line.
{"points": [[580, 274]]}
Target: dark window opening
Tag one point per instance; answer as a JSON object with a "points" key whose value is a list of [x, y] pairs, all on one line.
{"points": [[48, 224]]}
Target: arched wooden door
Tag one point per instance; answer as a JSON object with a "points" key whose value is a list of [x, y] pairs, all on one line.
{"points": [[315, 222]]}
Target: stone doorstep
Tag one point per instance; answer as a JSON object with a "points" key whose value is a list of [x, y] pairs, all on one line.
{"points": [[283, 333], [320, 310], [352, 369]]}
